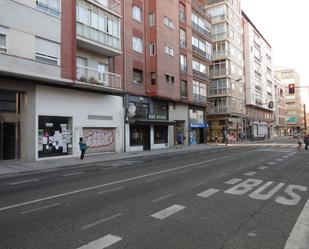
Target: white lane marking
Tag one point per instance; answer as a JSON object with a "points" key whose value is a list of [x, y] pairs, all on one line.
{"points": [[101, 221], [41, 208], [102, 243], [162, 197], [257, 193], [208, 192], [73, 174], [153, 179], [233, 181], [124, 180], [249, 173], [271, 163], [262, 167], [167, 212], [299, 238], [285, 157], [23, 182], [223, 175], [279, 159], [109, 190], [251, 234], [199, 184]]}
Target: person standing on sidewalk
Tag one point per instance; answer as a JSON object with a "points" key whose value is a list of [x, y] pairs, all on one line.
{"points": [[82, 147], [306, 140]]}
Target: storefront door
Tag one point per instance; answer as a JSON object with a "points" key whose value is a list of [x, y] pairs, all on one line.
{"points": [[140, 136], [7, 141]]}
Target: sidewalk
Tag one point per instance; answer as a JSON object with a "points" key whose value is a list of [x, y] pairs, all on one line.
{"points": [[9, 168]]}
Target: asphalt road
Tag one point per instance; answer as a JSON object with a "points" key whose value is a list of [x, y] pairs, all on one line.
{"points": [[243, 197]]}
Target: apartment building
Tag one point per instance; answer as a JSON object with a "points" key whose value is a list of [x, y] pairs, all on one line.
{"points": [[279, 108], [259, 83], [167, 53], [294, 107], [226, 113], [58, 78]]}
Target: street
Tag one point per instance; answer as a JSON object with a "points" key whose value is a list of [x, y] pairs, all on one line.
{"points": [[245, 196]]}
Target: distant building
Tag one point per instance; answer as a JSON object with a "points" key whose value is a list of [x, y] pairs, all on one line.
{"points": [[294, 107], [259, 83], [279, 108]]}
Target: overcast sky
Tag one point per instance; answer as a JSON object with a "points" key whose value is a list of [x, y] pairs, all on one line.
{"points": [[285, 25]]}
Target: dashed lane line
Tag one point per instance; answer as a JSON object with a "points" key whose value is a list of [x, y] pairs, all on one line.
{"points": [[167, 212], [72, 174], [102, 243], [208, 193], [23, 182], [262, 168], [233, 181], [271, 163], [163, 197], [41, 208], [199, 184], [101, 221], [109, 190], [249, 173]]}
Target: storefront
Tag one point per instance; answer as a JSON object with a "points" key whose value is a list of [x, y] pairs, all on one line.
{"points": [[54, 136], [198, 126], [147, 125]]}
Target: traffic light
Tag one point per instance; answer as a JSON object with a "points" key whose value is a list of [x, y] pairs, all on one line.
{"points": [[291, 88]]}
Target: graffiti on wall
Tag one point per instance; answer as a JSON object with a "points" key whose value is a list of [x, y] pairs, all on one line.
{"points": [[99, 139]]}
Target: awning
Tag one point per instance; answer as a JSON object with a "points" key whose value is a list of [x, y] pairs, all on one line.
{"points": [[153, 122]]}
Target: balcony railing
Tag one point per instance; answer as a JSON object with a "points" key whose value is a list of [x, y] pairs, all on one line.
{"points": [[201, 53], [200, 75], [93, 76], [218, 73], [220, 54], [218, 18], [215, 92], [220, 109], [201, 30], [199, 98], [219, 37]]}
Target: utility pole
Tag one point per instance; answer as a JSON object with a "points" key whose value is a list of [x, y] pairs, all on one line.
{"points": [[305, 117]]}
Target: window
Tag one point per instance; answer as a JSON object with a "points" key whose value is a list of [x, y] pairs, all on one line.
{"points": [[183, 63], [51, 7], [153, 78], [137, 13], [168, 22], [199, 90], [160, 110], [3, 39], [81, 69], [169, 78], [183, 38], [169, 50], [47, 51], [152, 19], [183, 89], [198, 66], [152, 49], [161, 134], [182, 13], [102, 72], [137, 76], [137, 44]]}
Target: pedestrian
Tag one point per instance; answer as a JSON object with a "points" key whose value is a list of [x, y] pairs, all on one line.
{"points": [[306, 140], [179, 138], [83, 147], [299, 142]]}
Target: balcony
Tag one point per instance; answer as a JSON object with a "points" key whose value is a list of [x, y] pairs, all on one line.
{"points": [[201, 30], [219, 37], [220, 55], [201, 53], [199, 98], [97, 41], [200, 75], [92, 76], [218, 73], [220, 110], [219, 18], [113, 5], [219, 92]]}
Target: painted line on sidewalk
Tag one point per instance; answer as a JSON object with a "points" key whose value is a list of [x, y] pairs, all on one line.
{"points": [[41, 208], [101, 221], [208, 193], [102, 243], [23, 182], [299, 238], [233, 181], [109, 190], [72, 174], [167, 212], [163, 197], [125, 180]]}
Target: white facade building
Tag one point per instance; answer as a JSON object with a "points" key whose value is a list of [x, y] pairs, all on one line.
{"points": [[258, 81]]}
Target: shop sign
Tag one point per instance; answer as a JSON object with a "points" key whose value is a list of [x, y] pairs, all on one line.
{"points": [[200, 125], [291, 120], [157, 117]]}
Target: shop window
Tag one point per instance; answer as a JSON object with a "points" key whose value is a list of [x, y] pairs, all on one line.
{"points": [[142, 110], [160, 111], [54, 136], [160, 135]]}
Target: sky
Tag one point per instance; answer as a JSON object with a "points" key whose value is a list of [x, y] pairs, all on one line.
{"points": [[285, 25]]}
